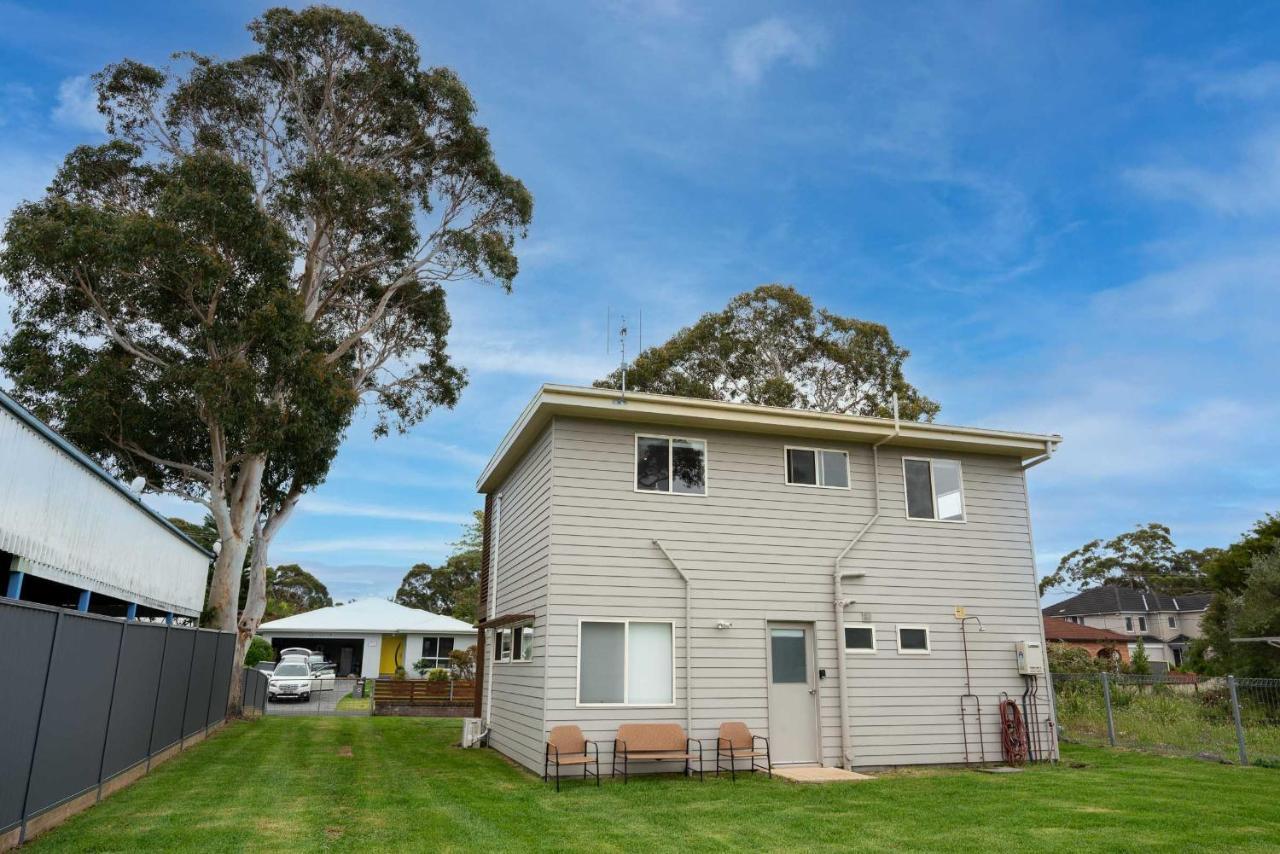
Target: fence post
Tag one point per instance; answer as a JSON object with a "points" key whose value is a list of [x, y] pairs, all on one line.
{"points": [[1111, 721], [155, 709], [106, 736], [35, 741], [186, 699], [1235, 714]]}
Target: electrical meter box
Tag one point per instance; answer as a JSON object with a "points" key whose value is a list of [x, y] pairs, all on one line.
{"points": [[1030, 658]]}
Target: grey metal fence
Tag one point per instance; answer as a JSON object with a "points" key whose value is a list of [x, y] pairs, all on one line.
{"points": [[1219, 718], [89, 703]]}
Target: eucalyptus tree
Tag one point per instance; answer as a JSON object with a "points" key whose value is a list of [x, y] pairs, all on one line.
{"points": [[263, 245], [771, 346]]}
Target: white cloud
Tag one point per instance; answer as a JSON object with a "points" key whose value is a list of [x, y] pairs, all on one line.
{"points": [[752, 51], [1250, 186], [328, 507], [405, 545], [1246, 84], [78, 105]]}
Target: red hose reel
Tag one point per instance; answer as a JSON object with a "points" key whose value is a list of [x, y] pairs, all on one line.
{"points": [[1013, 732]]}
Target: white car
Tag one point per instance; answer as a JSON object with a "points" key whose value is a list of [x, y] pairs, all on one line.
{"points": [[292, 679]]}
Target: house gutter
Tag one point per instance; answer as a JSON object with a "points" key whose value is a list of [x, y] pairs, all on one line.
{"points": [[1049, 448], [688, 638], [840, 602]]}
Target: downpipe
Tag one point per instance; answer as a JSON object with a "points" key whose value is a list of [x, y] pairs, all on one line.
{"points": [[838, 576], [688, 638]]}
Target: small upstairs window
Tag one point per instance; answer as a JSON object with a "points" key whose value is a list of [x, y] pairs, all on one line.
{"points": [[1142, 624], [1128, 624], [934, 489], [673, 465], [817, 467], [1173, 623]]}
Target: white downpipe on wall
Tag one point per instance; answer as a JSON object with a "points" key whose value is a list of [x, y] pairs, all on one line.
{"points": [[688, 638], [837, 582], [496, 521]]}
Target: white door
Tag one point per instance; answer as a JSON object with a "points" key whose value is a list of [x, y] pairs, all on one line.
{"points": [[793, 694]]}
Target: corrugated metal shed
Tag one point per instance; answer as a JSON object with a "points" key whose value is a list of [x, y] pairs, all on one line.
{"points": [[70, 521]]}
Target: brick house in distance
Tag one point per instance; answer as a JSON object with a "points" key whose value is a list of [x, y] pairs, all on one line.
{"points": [[1100, 643]]}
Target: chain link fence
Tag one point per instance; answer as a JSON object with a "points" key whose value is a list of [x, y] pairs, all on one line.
{"points": [[1223, 719]]}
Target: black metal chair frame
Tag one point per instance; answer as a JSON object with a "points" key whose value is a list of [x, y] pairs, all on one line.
{"points": [[613, 770], [547, 759], [755, 766]]}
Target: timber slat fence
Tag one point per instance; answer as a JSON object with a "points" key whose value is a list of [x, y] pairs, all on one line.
{"points": [[392, 694], [91, 703], [1222, 718]]}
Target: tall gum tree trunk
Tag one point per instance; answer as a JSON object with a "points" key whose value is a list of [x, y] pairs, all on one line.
{"points": [[255, 605]]}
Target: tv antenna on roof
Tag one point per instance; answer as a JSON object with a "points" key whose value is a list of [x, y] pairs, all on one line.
{"points": [[621, 330]]}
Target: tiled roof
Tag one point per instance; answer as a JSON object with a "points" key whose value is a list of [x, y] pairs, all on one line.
{"points": [[1056, 629], [1111, 599]]}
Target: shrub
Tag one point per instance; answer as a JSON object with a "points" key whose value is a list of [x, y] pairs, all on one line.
{"points": [[259, 650], [438, 674], [463, 662], [422, 665]]}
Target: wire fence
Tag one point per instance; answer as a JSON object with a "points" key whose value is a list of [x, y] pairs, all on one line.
{"points": [[1222, 718]]}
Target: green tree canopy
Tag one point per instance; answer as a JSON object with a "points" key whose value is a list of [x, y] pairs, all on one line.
{"points": [[454, 588], [771, 346], [1144, 558], [293, 590], [263, 243], [1246, 580]]}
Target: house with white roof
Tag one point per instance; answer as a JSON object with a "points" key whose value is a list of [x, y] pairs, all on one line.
{"points": [[372, 637]]}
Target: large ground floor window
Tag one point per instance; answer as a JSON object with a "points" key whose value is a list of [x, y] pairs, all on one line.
{"points": [[436, 651], [625, 663]]}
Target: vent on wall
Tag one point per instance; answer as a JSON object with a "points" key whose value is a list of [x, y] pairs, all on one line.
{"points": [[866, 616]]}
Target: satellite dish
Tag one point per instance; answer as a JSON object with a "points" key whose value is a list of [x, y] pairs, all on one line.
{"points": [[137, 484]]}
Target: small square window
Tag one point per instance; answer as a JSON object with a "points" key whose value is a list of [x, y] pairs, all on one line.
{"points": [[859, 637], [913, 640], [677, 466]]}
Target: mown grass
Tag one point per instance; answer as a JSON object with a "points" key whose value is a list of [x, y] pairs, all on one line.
{"points": [[1167, 719], [349, 703], [399, 784]]}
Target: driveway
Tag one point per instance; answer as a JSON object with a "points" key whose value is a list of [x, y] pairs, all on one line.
{"points": [[321, 702]]}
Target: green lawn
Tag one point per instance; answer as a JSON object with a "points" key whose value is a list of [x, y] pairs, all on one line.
{"points": [[279, 784]]}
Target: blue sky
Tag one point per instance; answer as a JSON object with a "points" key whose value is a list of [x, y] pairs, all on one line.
{"points": [[1067, 213]]}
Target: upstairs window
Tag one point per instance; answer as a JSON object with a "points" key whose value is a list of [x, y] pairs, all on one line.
{"points": [[934, 489], [1142, 624], [1128, 624], [673, 465], [816, 467], [1173, 624]]}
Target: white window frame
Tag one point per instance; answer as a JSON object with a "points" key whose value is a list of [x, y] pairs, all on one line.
{"points": [[517, 641], [1173, 622], [817, 462], [706, 466], [448, 662], [1142, 624], [626, 664], [1128, 624], [504, 655], [853, 650], [928, 640], [906, 507]]}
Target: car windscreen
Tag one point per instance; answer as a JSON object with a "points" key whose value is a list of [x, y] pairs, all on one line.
{"points": [[293, 670]]}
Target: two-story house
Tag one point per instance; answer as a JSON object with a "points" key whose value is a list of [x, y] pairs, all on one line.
{"points": [[1166, 624], [819, 576]]}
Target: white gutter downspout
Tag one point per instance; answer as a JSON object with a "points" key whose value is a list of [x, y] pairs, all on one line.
{"points": [[496, 521], [1043, 458], [837, 582], [688, 639]]}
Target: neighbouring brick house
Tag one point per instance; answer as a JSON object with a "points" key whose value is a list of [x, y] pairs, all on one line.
{"points": [[1100, 643]]}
